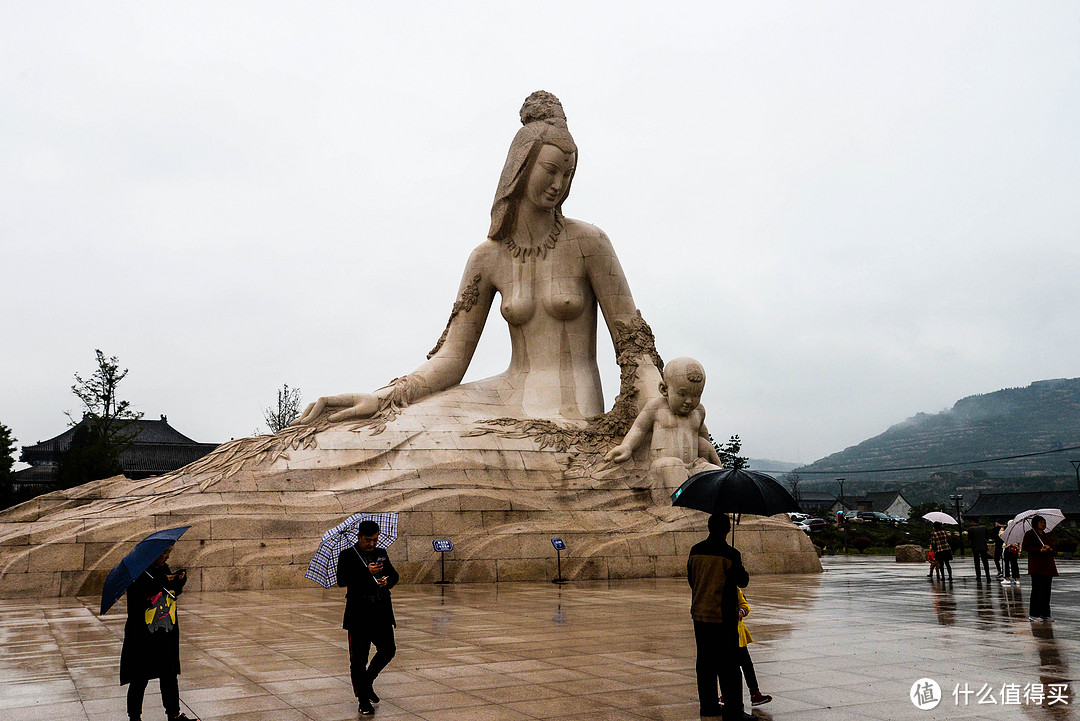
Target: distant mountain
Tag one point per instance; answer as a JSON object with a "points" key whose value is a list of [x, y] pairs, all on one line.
{"points": [[1041, 417], [767, 465]]}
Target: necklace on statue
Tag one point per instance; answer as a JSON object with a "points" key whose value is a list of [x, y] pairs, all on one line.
{"points": [[540, 250]]}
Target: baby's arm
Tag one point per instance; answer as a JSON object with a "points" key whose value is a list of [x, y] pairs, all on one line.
{"points": [[706, 449], [643, 425]]}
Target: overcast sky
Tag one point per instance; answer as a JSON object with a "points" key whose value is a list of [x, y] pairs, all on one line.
{"points": [[849, 212]]}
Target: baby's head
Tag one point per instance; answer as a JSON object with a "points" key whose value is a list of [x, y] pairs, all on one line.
{"points": [[684, 380]]}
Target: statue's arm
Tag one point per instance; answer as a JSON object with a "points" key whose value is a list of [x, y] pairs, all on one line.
{"points": [[620, 313], [447, 361], [450, 358], [642, 427], [706, 449]]}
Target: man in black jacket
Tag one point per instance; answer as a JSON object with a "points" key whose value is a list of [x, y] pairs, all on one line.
{"points": [[367, 572], [715, 573], [977, 536]]}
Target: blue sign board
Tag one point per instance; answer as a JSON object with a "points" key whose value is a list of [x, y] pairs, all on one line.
{"points": [[443, 546], [558, 543]]}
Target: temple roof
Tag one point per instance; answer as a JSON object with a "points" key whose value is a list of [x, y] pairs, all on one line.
{"points": [[1002, 505], [156, 448]]}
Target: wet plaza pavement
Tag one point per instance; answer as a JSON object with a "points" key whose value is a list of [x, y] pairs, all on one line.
{"points": [[846, 644]]}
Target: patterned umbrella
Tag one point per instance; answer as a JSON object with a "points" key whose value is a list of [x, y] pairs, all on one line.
{"points": [[323, 567]]}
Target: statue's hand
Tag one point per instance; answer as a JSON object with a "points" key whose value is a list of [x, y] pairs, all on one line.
{"points": [[346, 407], [619, 454]]}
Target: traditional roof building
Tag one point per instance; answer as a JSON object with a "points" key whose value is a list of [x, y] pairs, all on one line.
{"points": [[1005, 506], [891, 502], [824, 500], [156, 448]]}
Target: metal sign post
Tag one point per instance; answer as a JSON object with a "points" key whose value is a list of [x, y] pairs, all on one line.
{"points": [[559, 548], [442, 547]]}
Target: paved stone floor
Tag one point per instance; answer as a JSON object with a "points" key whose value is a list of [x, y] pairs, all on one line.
{"points": [[847, 644]]}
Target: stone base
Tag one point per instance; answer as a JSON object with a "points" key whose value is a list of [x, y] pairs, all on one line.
{"points": [[258, 528]]}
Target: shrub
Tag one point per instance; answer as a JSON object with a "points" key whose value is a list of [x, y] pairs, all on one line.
{"points": [[1067, 545], [860, 543]]}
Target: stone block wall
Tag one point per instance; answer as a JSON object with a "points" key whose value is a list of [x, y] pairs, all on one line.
{"points": [[260, 530]]}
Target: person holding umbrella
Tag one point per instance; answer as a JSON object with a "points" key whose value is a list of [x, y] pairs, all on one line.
{"points": [[939, 544], [1041, 568], [152, 636], [715, 574], [366, 571]]}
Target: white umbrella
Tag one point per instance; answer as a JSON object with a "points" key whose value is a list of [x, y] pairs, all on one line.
{"points": [[938, 516], [1014, 532]]}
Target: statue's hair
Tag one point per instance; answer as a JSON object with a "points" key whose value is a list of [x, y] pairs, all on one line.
{"points": [[543, 123]]}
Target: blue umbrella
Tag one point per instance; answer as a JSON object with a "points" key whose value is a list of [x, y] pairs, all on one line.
{"points": [[133, 564], [323, 567]]}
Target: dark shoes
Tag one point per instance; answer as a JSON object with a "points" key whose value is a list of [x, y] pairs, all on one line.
{"points": [[712, 711], [365, 708], [183, 717], [756, 699], [372, 696]]}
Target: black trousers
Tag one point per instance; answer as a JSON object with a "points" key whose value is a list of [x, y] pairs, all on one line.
{"points": [[718, 663], [997, 558], [1012, 566], [170, 697], [981, 555], [1040, 596], [360, 642], [747, 667]]}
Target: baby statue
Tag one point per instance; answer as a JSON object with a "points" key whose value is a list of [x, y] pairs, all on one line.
{"points": [[680, 441]]}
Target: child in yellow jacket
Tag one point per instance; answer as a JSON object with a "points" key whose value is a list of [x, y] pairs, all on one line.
{"points": [[756, 697]]}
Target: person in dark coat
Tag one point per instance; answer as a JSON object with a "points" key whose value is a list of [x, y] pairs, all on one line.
{"points": [[1041, 568], [366, 571], [999, 545], [715, 573], [977, 537], [152, 638]]}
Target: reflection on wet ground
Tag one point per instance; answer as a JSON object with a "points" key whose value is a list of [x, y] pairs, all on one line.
{"points": [[847, 644]]}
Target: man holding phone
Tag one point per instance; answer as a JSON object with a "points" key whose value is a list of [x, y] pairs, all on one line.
{"points": [[366, 571]]}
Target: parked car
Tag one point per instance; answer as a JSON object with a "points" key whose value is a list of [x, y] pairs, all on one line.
{"points": [[874, 517], [815, 524], [796, 517]]}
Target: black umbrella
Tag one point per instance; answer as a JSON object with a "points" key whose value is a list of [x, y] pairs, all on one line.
{"points": [[734, 490]]}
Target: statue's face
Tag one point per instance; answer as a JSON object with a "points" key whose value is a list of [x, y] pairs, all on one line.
{"points": [[550, 177], [683, 396]]}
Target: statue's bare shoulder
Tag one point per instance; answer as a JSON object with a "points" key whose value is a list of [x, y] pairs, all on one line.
{"points": [[590, 239]]}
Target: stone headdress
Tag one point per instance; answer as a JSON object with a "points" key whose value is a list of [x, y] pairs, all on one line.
{"points": [[544, 123]]}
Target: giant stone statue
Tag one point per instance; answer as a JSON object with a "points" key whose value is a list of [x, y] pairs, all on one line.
{"points": [[499, 466]]}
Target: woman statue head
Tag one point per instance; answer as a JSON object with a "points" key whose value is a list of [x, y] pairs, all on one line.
{"points": [[543, 123]]}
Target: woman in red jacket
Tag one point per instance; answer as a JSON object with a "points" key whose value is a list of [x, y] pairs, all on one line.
{"points": [[1041, 568]]}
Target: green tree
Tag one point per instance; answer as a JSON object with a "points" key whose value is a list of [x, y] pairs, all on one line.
{"points": [[104, 430], [7, 460], [287, 410], [729, 452], [7, 449]]}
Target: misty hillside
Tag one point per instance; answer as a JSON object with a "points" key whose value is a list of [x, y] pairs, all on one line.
{"points": [[1043, 416]]}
